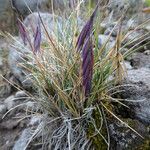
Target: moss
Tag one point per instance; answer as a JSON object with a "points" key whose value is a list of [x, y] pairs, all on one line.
{"points": [[97, 141], [145, 145], [147, 3]]}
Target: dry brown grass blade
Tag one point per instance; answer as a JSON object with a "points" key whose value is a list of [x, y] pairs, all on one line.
{"points": [[146, 10]]}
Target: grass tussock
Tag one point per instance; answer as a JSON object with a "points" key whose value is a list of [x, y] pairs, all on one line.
{"points": [[75, 100]]}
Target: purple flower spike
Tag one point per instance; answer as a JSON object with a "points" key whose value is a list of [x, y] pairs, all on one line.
{"points": [[22, 32], [84, 43], [86, 31], [37, 38], [87, 65]]}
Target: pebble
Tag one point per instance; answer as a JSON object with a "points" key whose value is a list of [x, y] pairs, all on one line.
{"points": [[3, 109], [35, 120], [21, 143], [20, 94], [147, 52], [9, 102]]}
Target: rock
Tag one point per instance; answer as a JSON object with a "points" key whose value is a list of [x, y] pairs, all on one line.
{"points": [[3, 109], [136, 95], [35, 120], [139, 75], [128, 65], [139, 60], [122, 138], [137, 38], [22, 141], [9, 125], [110, 29], [5, 90], [17, 99], [20, 94], [130, 7], [3, 5], [31, 106], [5, 87], [6, 17], [25, 7], [9, 102], [147, 52], [102, 39], [3, 55], [48, 20], [131, 10], [22, 6], [15, 59], [10, 130]]}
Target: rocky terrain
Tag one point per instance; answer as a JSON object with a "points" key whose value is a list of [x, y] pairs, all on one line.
{"points": [[19, 113]]}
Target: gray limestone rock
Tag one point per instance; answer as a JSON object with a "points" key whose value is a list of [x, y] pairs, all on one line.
{"points": [[103, 39], [20, 94], [3, 109], [35, 120], [5, 90], [139, 75], [22, 141], [129, 7], [9, 102], [130, 10], [136, 95], [15, 59], [3, 5], [140, 60], [123, 138], [25, 7]]}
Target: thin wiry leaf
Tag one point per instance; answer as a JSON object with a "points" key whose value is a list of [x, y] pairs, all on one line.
{"points": [[87, 65], [22, 31], [37, 38]]}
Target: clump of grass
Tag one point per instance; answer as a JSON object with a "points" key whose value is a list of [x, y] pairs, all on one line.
{"points": [[73, 78]]}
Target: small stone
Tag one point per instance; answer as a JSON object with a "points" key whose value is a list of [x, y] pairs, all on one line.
{"points": [[20, 94], [127, 65], [35, 120], [140, 60], [139, 75], [103, 39], [147, 52], [9, 102], [7, 142], [5, 90], [9, 124], [23, 6], [30, 106], [21, 143], [3, 109]]}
